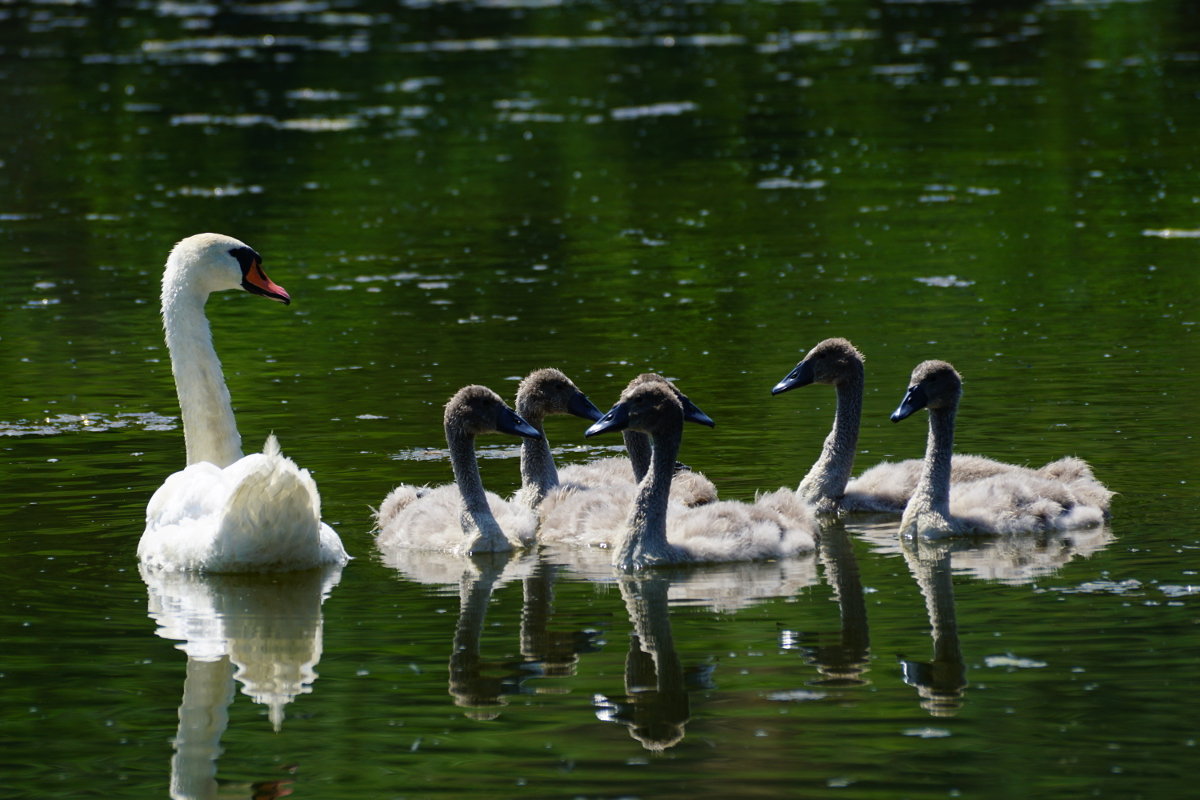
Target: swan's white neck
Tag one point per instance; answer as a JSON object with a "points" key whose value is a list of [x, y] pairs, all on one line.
{"points": [[928, 510], [825, 484], [476, 516], [203, 717], [209, 431], [646, 530]]}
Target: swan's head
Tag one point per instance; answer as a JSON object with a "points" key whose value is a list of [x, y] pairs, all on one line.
{"points": [[213, 262], [549, 391], [934, 385], [691, 412], [475, 410], [650, 407], [833, 361]]}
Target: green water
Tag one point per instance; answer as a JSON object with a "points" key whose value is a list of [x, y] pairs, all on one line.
{"points": [[457, 193]]}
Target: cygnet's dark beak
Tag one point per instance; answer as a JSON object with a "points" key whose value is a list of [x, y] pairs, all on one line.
{"points": [[512, 423], [580, 406], [693, 414], [617, 419], [914, 400], [802, 375]]}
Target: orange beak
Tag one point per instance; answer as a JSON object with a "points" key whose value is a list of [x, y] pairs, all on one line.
{"points": [[257, 282]]}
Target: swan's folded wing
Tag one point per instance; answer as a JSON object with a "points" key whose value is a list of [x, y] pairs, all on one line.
{"points": [[190, 494], [181, 518]]}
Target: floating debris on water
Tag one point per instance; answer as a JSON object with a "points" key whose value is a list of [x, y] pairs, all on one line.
{"points": [[945, 281], [1009, 661], [1173, 233], [795, 696], [75, 423]]}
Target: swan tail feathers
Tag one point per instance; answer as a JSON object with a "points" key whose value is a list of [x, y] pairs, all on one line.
{"points": [[396, 501], [272, 517]]}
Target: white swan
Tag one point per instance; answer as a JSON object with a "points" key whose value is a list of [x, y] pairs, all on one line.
{"points": [[1007, 502], [887, 486], [689, 487], [656, 532], [460, 517], [542, 393], [225, 512]]}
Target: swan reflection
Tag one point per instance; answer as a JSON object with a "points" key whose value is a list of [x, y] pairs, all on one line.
{"points": [[841, 663], [1012, 559], [263, 632]]}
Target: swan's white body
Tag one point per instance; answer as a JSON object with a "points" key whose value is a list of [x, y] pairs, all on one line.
{"points": [[657, 532], [887, 486], [1014, 501], [225, 512], [461, 517]]}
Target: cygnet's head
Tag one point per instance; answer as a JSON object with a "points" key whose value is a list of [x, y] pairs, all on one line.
{"points": [[934, 385], [549, 391], [832, 361], [691, 412], [214, 262], [475, 410], [649, 407]]}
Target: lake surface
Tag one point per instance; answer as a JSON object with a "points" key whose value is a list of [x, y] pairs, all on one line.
{"points": [[462, 192]]}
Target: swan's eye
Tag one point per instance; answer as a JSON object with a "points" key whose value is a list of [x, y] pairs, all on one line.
{"points": [[247, 259]]}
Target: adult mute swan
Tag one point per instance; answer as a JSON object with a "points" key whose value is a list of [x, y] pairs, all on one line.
{"points": [[656, 532], [1007, 502], [542, 393], [887, 486], [225, 512], [460, 517]]}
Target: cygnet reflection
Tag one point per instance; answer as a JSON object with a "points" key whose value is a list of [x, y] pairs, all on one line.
{"points": [[479, 685], [1012, 559]]}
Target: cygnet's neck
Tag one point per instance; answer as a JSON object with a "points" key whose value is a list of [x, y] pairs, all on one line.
{"points": [[467, 685], [825, 484], [209, 431], [928, 510], [637, 445], [646, 530], [941, 686], [538, 473], [476, 515], [647, 605]]}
